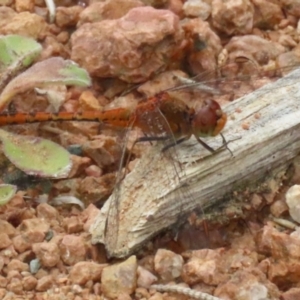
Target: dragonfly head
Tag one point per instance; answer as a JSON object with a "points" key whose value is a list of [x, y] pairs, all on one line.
{"points": [[209, 120]]}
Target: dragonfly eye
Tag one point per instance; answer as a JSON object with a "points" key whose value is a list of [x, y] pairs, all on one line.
{"points": [[209, 120]]}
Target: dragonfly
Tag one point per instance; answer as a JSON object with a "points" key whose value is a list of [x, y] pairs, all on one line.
{"points": [[181, 121]]}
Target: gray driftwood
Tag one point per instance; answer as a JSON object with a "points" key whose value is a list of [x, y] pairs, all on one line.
{"points": [[152, 197]]}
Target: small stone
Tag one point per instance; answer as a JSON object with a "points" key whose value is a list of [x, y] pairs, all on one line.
{"points": [[3, 282], [256, 201], [84, 271], [24, 23], [29, 283], [44, 283], [7, 228], [46, 211], [24, 5], [34, 266], [88, 101], [6, 2], [5, 241], [291, 294], [2, 262], [232, 16], [13, 274], [73, 224], [197, 8], [291, 7], [15, 286], [89, 215], [33, 225], [72, 249], [104, 48], [203, 267], [47, 253], [145, 278], [21, 244], [278, 208], [247, 284], [17, 265], [119, 278], [168, 264], [293, 202], [110, 9], [68, 16]]}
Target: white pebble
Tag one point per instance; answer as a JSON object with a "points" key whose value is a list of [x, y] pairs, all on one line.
{"points": [[292, 197]]}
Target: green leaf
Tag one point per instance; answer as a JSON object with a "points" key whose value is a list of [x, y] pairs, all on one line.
{"points": [[16, 53], [36, 156], [16, 50], [54, 70], [7, 191]]}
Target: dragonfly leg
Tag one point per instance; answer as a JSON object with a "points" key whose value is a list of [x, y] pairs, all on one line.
{"points": [[177, 142], [225, 143], [210, 149]]}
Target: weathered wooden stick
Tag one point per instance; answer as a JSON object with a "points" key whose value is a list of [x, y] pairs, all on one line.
{"points": [[159, 190]]}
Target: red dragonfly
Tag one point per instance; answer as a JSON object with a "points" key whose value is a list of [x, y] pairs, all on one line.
{"points": [[181, 122]]}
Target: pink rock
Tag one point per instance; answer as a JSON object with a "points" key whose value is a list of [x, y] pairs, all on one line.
{"points": [[247, 284], [291, 6], [202, 58], [67, 16], [15, 286], [17, 265], [257, 48], [7, 228], [279, 208], [104, 150], [119, 278], [197, 8], [46, 211], [47, 253], [72, 249], [291, 294], [24, 5], [89, 215], [168, 264], [73, 224], [268, 14], [84, 271], [21, 243], [233, 16], [29, 283], [78, 165], [44, 283], [5, 241], [3, 282], [8, 253], [106, 48], [145, 278], [1, 263], [12, 274], [24, 23], [108, 10], [34, 225], [93, 171], [198, 270], [96, 189], [278, 244]]}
